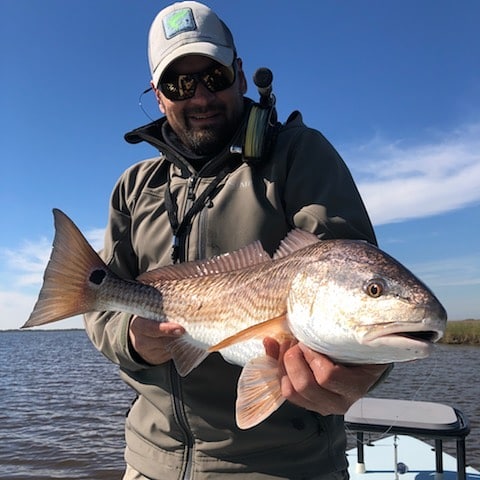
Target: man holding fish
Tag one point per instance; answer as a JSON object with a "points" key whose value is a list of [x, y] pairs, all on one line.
{"points": [[201, 198], [239, 289]]}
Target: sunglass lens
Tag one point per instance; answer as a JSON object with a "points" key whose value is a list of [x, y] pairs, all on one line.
{"points": [[180, 87], [219, 78]]}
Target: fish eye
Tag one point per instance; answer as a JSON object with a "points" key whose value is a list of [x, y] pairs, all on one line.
{"points": [[375, 288]]}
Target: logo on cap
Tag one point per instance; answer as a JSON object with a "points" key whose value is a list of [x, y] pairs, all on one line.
{"points": [[178, 22]]}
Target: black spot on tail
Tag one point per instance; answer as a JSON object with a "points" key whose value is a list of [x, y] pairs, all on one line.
{"points": [[97, 276]]}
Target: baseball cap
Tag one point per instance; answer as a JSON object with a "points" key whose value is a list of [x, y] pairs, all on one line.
{"points": [[187, 28]]}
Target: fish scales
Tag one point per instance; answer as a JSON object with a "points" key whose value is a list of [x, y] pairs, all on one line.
{"points": [[228, 302]]}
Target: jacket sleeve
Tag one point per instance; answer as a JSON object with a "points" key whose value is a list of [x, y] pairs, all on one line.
{"points": [[320, 195], [108, 331]]}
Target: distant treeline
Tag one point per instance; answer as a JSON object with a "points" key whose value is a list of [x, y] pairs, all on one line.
{"points": [[465, 332], [458, 332]]}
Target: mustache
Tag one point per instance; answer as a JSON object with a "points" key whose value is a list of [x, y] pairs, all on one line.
{"points": [[212, 108]]}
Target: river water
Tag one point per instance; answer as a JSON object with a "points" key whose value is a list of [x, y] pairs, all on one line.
{"points": [[62, 405]]}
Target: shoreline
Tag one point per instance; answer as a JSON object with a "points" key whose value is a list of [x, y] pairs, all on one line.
{"points": [[458, 332], [462, 332]]}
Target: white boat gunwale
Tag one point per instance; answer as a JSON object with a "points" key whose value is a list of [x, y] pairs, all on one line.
{"points": [[431, 420]]}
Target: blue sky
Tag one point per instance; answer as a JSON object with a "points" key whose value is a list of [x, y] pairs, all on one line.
{"points": [[394, 85]]}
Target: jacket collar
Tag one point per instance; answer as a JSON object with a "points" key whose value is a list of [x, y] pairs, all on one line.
{"points": [[159, 135]]}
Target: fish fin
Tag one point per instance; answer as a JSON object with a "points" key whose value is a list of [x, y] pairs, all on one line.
{"points": [[258, 392], [295, 240], [66, 291], [252, 254], [186, 354], [275, 327]]}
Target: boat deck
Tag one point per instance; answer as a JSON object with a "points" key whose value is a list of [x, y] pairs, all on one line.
{"points": [[401, 455]]}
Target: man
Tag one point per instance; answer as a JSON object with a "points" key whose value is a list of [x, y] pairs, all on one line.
{"points": [[201, 198]]}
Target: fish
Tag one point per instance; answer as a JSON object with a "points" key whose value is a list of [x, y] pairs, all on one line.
{"points": [[345, 298]]}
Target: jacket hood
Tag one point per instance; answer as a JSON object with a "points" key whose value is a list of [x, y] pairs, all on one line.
{"points": [[146, 133]]}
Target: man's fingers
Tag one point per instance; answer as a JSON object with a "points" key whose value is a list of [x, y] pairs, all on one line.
{"points": [[313, 381], [272, 347], [352, 381], [150, 339], [301, 379], [152, 328]]}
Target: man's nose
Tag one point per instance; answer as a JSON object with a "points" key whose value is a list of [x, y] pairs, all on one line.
{"points": [[202, 94]]}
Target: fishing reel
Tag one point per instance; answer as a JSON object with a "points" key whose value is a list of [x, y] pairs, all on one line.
{"points": [[262, 124]]}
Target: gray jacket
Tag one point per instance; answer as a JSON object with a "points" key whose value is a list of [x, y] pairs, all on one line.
{"points": [[185, 427]]}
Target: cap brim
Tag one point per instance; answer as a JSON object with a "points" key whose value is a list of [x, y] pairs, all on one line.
{"points": [[223, 55]]}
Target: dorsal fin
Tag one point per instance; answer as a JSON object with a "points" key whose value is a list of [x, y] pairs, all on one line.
{"points": [[295, 240], [252, 254]]}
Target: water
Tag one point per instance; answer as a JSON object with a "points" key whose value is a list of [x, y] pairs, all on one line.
{"points": [[62, 405], [62, 408]]}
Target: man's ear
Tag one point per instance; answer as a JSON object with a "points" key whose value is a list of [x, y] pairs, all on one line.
{"points": [[156, 91], [242, 80]]}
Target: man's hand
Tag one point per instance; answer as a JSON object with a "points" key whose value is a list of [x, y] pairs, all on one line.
{"points": [[312, 381], [149, 338]]}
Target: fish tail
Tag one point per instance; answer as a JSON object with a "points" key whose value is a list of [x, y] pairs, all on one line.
{"points": [[72, 273]]}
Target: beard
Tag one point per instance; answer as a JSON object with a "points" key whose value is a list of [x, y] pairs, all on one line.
{"points": [[209, 139], [205, 141]]}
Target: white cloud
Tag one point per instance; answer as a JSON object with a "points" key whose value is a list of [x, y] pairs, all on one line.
{"points": [[399, 181], [96, 238], [15, 308], [28, 263]]}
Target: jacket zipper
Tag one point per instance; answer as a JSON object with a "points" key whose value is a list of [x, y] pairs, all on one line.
{"points": [[192, 183], [202, 218], [182, 422], [177, 390], [202, 232]]}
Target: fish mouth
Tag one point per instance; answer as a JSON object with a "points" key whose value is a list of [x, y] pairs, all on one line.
{"points": [[408, 334], [429, 336], [400, 343]]}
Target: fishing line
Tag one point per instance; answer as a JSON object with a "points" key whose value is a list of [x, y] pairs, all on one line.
{"points": [[434, 358], [140, 104]]}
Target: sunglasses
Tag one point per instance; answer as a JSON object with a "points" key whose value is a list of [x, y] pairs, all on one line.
{"points": [[182, 86]]}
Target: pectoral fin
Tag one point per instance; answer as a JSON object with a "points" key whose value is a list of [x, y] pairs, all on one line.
{"points": [[258, 392], [276, 327]]}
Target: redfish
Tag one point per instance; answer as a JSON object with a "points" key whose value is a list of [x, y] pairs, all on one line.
{"points": [[344, 298]]}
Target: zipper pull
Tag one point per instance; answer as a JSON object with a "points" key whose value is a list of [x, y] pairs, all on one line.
{"points": [[191, 187]]}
